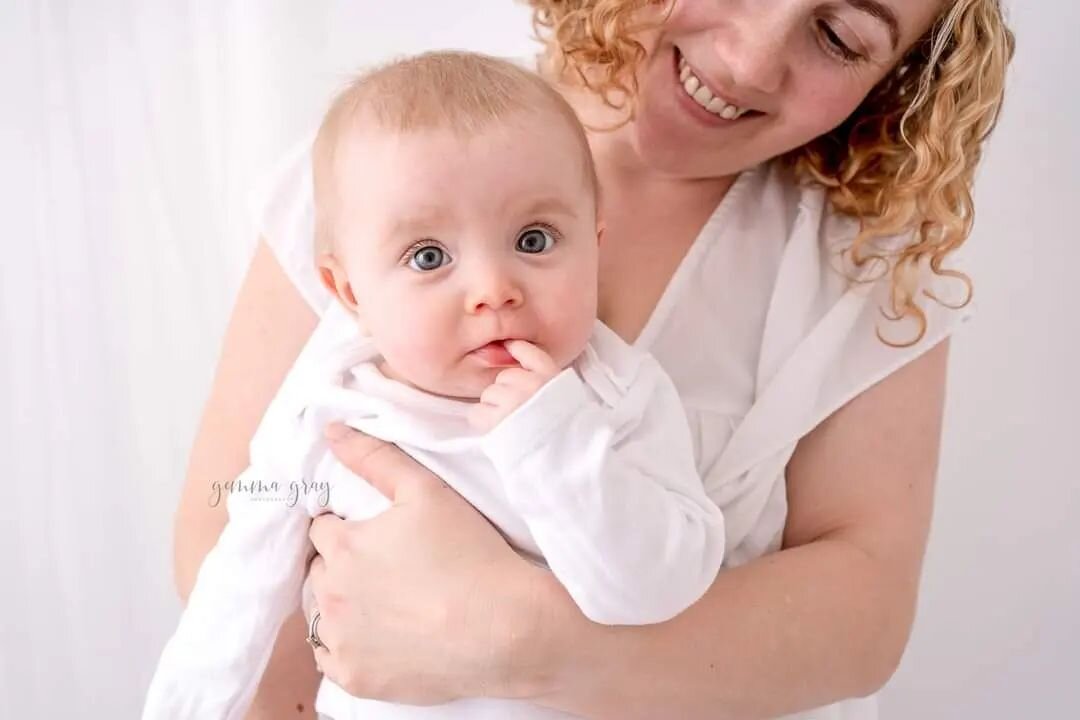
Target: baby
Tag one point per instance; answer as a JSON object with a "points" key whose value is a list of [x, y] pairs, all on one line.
{"points": [[456, 226]]}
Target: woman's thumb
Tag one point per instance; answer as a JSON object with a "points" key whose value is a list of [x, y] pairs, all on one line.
{"points": [[384, 465]]}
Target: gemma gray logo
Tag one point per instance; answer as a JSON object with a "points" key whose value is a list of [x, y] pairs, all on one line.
{"points": [[272, 491]]}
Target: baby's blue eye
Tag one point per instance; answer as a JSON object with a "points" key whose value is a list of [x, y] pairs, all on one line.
{"points": [[535, 241], [427, 258]]}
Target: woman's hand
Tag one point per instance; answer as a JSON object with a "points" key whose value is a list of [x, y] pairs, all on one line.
{"points": [[426, 602]]}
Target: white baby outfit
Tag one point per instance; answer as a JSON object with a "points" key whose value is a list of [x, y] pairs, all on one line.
{"points": [[594, 475], [758, 329]]}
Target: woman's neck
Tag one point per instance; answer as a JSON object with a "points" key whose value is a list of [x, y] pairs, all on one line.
{"points": [[627, 181], [651, 218]]}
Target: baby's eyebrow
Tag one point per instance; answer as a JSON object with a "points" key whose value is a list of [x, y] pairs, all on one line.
{"points": [[419, 221], [550, 205]]}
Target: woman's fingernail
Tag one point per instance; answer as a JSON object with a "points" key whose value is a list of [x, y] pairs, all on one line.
{"points": [[336, 431]]}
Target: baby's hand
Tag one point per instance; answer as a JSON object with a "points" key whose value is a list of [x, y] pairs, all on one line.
{"points": [[513, 386]]}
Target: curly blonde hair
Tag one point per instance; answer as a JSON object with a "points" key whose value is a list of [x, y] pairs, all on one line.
{"points": [[903, 163]]}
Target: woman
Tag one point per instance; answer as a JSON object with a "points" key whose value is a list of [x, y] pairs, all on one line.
{"points": [[774, 152]]}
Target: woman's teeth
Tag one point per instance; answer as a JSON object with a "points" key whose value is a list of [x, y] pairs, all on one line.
{"points": [[703, 96]]}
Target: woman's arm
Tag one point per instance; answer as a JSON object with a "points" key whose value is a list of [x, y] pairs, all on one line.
{"points": [[269, 325], [824, 619]]}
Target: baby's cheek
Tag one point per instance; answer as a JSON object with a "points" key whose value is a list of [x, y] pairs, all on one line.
{"points": [[423, 348], [570, 319], [410, 345]]}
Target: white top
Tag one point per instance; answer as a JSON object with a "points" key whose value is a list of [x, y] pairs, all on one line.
{"points": [[759, 330], [593, 475]]}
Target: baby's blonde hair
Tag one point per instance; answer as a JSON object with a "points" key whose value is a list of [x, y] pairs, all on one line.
{"points": [[462, 92], [904, 162]]}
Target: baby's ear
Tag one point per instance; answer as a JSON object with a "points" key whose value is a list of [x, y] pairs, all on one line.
{"points": [[333, 277]]}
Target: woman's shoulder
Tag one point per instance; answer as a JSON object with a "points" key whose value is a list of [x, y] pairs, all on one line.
{"points": [[827, 324], [818, 241], [282, 208], [802, 206], [790, 219], [819, 343]]}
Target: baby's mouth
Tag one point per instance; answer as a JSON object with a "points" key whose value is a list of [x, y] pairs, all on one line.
{"points": [[494, 354]]}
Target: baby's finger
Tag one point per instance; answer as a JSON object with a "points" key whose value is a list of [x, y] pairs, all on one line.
{"points": [[501, 395], [531, 357], [526, 381]]}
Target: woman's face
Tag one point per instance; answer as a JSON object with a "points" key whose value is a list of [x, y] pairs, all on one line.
{"points": [[728, 84]]}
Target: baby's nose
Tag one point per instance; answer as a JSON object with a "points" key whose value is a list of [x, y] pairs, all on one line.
{"points": [[493, 291]]}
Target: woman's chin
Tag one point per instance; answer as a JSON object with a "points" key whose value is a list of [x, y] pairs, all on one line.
{"points": [[667, 123], [661, 142], [661, 134]]}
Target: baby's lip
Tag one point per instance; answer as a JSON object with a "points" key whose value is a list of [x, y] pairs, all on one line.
{"points": [[495, 354]]}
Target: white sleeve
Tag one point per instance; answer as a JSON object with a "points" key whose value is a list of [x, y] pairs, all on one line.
{"points": [[616, 506], [247, 586], [283, 210]]}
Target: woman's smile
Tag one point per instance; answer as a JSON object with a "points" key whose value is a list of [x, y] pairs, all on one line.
{"points": [[707, 96]]}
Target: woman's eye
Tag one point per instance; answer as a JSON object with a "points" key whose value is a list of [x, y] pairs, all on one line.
{"points": [[836, 44], [427, 258], [535, 241]]}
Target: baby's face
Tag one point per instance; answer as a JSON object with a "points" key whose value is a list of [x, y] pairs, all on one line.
{"points": [[452, 245]]}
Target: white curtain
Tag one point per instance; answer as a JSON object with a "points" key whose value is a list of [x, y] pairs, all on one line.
{"points": [[130, 134]]}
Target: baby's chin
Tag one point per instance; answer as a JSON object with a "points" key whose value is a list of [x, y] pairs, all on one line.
{"points": [[466, 385]]}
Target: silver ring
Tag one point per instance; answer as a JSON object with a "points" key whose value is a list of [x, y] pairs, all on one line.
{"points": [[313, 632]]}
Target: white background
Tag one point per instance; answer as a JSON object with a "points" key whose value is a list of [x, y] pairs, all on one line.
{"points": [[130, 134]]}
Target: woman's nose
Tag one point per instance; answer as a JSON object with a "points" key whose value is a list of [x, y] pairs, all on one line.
{"points": [[754, 49], [492, 289]]}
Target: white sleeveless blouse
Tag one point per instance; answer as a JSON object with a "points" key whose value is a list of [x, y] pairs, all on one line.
{"points": [[759, 330]]}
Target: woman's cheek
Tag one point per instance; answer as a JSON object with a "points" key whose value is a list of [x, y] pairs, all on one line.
{"points": [[829, 103]]}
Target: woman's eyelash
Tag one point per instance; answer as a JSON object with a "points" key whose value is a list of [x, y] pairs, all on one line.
{"points": [[836, 45]]}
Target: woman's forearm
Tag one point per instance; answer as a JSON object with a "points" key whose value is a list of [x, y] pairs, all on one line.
{"points": [[290, 681], [825, 620], [794, 630]]}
